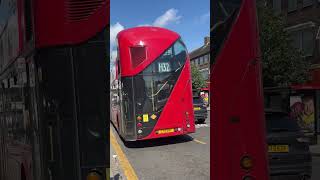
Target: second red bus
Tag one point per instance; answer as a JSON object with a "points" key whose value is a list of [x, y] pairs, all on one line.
{"points": [[152, 89]]}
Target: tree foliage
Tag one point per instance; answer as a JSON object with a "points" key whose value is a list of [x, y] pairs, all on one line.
{"points": [[281, 63], [197, 79]]}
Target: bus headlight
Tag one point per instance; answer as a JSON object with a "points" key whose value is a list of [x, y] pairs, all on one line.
{"points": [[93, 175], [246, 163]]}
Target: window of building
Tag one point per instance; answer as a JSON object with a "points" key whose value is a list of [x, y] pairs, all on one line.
{"points": [[277, 6], [205, 73], [206, 57], [292, 5], [296, 40], [304, 40], [308, 42], [307, 3]]}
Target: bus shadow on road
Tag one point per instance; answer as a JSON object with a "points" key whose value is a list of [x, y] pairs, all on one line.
{"points": [[158, 142]]}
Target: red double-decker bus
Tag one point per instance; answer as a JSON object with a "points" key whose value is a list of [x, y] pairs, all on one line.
{"points": [[151, 92], [239, 149], [53, 75]]}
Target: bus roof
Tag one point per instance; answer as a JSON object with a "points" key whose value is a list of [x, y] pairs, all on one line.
{"points": [[147, 42]]}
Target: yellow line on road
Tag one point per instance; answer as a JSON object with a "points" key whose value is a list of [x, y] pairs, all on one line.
{"points": [[197, 141], [125, 164]]}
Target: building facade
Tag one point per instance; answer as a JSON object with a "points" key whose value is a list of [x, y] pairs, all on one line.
{"points": [[201, 58], [303, 25]]}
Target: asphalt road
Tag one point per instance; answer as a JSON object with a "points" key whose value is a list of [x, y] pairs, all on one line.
{"points": [[184, 157], [315, 171]]}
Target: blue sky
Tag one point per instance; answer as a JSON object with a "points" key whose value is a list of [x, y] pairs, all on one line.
{"points": [[189, 18]]}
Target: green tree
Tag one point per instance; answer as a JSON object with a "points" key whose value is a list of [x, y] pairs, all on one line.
{"points": [[197, 78], [281, 63]]}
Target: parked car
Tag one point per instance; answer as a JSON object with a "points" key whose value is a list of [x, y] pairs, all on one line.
{"points": [[200, 109], [288, 148]]}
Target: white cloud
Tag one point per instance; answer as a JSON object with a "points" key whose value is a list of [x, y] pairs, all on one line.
{"points": [[144, 25], [113, 56], [170, 16], [114, 30], [203, 18]]}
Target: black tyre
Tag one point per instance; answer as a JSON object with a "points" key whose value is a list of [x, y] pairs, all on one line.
{"points": [[201, 121]]}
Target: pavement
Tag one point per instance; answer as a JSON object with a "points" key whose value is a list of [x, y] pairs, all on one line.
{"points": [[315, 168], [182, 157], [116, 173], [315, 149]]}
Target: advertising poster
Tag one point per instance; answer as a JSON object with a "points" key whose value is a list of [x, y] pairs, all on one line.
{"points": [[302, 109]]}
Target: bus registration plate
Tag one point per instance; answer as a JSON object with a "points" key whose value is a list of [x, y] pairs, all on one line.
{"points": [[278, 148], [164, 131]]}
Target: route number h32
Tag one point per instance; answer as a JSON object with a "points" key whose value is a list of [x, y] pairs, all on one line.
{"points": [[164, 67]]}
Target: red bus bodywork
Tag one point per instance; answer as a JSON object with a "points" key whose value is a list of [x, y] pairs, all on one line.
{"points": [[237, 113], [177, 113]]}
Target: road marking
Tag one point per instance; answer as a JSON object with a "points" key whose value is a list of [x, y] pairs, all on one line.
{"points": [[201, 125], [125, 164], [197, 141], [107, 173]]}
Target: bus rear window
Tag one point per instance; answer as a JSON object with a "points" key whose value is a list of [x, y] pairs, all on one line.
{"points": [[138, 55]]}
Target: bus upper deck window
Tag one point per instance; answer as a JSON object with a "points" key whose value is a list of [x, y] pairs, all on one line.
{"points": [[138, 55]]}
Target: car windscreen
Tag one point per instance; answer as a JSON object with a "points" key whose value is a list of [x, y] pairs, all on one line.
{"points": [[280, 123], [197, 101]]}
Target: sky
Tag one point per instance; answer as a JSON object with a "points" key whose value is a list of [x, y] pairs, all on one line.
{"points": [[189, 18]]}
